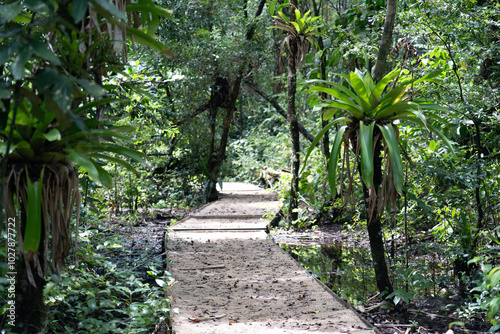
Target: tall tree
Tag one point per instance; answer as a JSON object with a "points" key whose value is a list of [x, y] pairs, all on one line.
{"points": [[300, 30]]}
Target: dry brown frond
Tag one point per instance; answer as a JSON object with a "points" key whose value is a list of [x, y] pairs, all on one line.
{"points": [[60, 196]]}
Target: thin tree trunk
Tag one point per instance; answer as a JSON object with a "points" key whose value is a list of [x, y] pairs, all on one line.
{"points": [[322, 67], [378, 70], [378, 255], [479, 205], [279, 109], [293, 126], [374, 226]]}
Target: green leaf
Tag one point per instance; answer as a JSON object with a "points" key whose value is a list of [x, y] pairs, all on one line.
{"points": [[104, 177], [494, 276], [393, 145], [10, 11], [335, 93], [334, 155], [272, 6], [115, 160], [394, 96], [85, 163], [33, 231], [360, 90], [136, 155], [395, 109], [347, 107], [117, 132], [283, 16], [149, 41], [442, 137], [432, 145], [429, 77], [319, 136], [329, 113], [79, 9], [432, 106], [109, 7], [157, 10], [52, 135], [25, 150], [367, 81], [382, 84], [39, 5], [366, 155], [7, 51], [3, 147], [92, 303], [494, 307], [19, 64], [41, 50], [297, 14], [161, 282], [91, 87]]}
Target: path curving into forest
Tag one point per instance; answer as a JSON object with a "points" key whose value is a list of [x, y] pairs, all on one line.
{"points": [[232, 278]]}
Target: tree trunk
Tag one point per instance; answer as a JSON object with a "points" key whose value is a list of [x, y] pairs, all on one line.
{"points": [[294, 130], [322, 66], [278, 86], [30, 309], [378, 255], [374, 226], [386, 44]]}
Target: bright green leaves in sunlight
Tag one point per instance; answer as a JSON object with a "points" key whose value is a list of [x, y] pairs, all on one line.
{"points": [[370, 114], [366, 156], [392, 143]]}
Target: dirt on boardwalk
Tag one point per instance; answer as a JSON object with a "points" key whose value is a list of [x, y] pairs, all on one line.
{"points": [[242, 282]]}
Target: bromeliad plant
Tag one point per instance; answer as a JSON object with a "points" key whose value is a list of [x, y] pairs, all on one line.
{"points": [[367, 115], [300, 32]]}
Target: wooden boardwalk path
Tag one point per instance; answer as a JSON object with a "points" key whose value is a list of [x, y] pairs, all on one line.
{"points": [[231, 278]]}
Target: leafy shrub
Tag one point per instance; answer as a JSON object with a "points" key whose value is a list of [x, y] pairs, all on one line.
{"points": [[102, 295]]}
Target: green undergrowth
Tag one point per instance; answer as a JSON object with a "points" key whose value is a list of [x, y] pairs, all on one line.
{"points": [[115, 285], [112, 289]]}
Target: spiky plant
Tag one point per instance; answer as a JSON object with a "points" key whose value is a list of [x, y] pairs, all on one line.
{"points": [[367, 116]]}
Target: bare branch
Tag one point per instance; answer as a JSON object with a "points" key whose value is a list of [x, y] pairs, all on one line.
{"points": [[278, 108]]}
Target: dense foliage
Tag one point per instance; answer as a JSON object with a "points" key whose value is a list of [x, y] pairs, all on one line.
{"points": [[95, 108]]}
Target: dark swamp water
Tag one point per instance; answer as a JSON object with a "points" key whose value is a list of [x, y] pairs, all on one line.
{"points": [[346, 270]]}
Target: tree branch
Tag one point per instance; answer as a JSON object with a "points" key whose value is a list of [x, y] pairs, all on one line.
{"points": [[194, 114], [278, 108], [386, 42]]}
